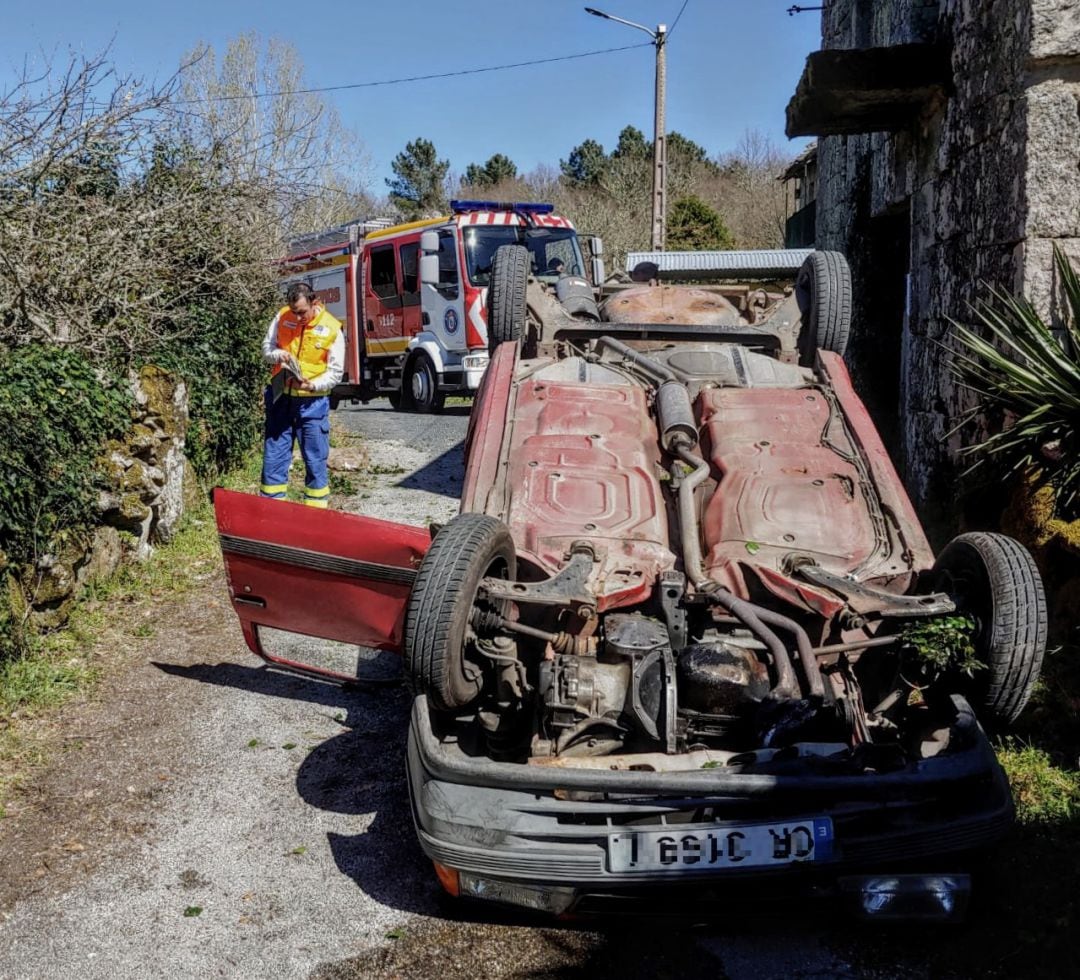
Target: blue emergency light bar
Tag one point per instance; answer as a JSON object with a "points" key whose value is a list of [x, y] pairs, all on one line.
{"points": [[525, 208]]}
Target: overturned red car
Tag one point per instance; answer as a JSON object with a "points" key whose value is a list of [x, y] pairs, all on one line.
{"points": [[686, 635]]}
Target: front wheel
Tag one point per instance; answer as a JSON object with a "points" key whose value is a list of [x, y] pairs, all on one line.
{"points": [[424, 386], [438, 637], [994, 579]]}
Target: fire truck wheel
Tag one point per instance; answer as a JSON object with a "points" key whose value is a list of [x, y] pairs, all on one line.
{"points": [[441, 660], [823, 292], [506, 295], [423, 385], [395, 399]]}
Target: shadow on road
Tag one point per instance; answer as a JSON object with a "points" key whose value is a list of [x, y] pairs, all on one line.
{"points": [[358, 772], [277, 683], [443, 475]]}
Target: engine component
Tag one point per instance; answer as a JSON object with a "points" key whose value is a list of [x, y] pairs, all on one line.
{"points": [[579, 694], [576, 296], [580, 687], [652, 697], [719, 679], [676, 415], [631, 689]]}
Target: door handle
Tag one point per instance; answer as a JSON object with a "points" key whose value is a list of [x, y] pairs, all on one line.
{"points": [[371, 326], [425, 319]]}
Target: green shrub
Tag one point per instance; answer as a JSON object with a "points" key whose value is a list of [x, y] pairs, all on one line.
{"points": [[221, 361], [56, 412], [693, 225]]}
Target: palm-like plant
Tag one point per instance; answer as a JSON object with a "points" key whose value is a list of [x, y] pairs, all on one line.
{"points": [[1033, 376]]}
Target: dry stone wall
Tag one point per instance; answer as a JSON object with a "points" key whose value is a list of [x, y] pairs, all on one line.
{"points": [[147, 482]]}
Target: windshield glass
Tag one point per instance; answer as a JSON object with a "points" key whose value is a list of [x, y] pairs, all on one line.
{"points": [[554, 251]]}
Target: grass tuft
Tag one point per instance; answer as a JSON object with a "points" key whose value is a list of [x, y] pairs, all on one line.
{"points": [[1045, 794]]}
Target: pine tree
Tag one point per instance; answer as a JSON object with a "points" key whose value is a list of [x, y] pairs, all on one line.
{"points": [[418, 187]]}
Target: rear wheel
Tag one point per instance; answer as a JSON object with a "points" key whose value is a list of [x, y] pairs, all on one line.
{"points": [[823, 292], [395, 399], [994, 579], [438, 637], [506, 295], [424, 386]]}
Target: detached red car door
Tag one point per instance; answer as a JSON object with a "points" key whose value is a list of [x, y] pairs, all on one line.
{"points": [[321, 573]]}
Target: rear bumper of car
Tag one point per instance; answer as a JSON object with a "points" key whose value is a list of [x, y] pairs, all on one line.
{"points": [[506, 828]]}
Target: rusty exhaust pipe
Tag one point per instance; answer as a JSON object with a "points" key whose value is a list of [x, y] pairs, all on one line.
{"points": [[679, 436], [807, 656]]}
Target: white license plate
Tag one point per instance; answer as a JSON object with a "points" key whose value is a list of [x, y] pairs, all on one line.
{"points": [[748, 846]]}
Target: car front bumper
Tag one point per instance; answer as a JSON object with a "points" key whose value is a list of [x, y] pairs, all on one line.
{"points": [[505, 830]]}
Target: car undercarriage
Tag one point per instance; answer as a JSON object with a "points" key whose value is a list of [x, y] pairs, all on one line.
{"points": [[687, 624]]}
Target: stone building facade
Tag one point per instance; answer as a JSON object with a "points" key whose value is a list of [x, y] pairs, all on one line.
{"points": [[948, 156]]}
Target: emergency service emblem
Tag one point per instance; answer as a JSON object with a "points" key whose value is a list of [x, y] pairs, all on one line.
{"points": [[450, 320]]}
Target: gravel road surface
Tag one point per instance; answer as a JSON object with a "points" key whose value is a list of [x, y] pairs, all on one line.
{"points": [[232, 821]]}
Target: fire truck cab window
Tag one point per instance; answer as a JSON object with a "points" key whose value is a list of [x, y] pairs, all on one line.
{"points": [[384, 275], [410, 274], [448, 265], [552, 251]]}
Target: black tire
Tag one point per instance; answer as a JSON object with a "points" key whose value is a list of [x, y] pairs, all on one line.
{"points": [[994, 579], [395, 399], [823, 292], [423, 382], [506, 295], [437, 631]]}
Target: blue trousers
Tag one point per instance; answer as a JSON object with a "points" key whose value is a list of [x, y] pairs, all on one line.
{"points": [[289, 420]]}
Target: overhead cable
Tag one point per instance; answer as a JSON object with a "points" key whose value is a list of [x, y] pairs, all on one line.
{"points": [[411, 78]]}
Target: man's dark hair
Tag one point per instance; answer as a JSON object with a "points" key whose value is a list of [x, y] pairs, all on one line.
{"points": [[300, 290]]}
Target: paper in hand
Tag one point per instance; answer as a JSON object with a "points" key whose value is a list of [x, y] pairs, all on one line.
{"points": [[289, 366]]}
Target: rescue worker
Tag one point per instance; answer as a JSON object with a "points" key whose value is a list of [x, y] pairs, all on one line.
{"points": [[301, 411]]}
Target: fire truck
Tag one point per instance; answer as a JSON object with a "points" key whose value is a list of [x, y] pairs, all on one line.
{"points": [[412, 297]]}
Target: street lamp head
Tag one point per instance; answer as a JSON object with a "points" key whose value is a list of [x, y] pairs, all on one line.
{"points": [[621, 20]]}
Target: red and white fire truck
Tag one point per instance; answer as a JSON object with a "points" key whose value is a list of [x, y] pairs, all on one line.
{"points": [[413, 297]]}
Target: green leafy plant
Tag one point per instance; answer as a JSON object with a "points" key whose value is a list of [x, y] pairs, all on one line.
{"points": [[1029, 378], [941, 644], [56, 412], [693, 225], [223, 367], [343, 485]]}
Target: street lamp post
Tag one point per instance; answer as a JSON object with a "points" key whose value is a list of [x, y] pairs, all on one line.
{"points": [[659, 191]]}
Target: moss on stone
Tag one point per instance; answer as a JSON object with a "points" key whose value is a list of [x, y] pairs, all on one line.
{"points": [[160, 388], [133, 509], [135, 479]]}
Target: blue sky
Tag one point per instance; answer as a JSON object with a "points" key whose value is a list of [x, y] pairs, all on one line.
{"points": [[732, 65]]}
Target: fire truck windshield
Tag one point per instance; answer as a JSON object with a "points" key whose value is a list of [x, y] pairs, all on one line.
{"points": [[553, 251]]}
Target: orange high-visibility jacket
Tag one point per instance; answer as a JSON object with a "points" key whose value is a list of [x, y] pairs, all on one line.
{"points": [[309, 343]]}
